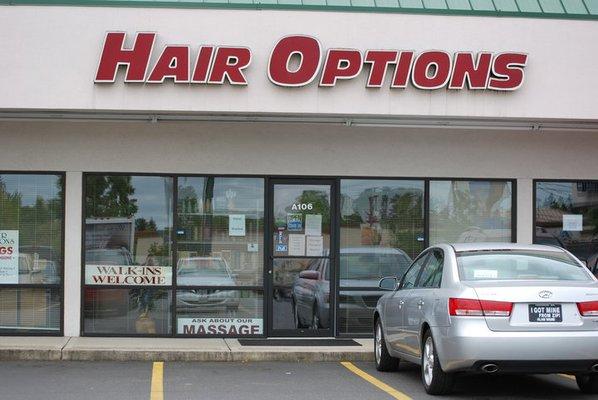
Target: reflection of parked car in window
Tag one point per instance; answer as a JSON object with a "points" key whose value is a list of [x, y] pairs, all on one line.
{"points": [[592, 264], [206, 271], [118, 256], [40, 263], [360, 269], [107, 302], [543, 236]]}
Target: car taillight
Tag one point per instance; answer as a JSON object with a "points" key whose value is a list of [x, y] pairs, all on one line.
{"points": [[478, 308], [588, 308]]}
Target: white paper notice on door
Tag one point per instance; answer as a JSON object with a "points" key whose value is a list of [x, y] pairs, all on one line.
{"points": [[296, 245], [313, 224], [573, 222], [314, 246], [236, 225]]}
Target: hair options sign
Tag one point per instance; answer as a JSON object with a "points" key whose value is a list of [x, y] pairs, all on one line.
{"points": [[300, 60], [9, 256]]}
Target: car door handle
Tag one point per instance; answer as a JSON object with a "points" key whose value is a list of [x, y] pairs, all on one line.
{"points": [[401, 303], [420, 303]]}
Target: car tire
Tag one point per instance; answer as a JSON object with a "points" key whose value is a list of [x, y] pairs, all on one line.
{"points": [[588, 383], [384, 361], [434, 379], [315, 319], [298, 323]]}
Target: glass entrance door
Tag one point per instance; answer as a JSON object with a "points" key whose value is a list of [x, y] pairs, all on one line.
{"points": [[301, 268]]}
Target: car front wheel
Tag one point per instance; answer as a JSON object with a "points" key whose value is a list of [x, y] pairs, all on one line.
{"points": [[384, 361], [587, 383], [435, 380]]}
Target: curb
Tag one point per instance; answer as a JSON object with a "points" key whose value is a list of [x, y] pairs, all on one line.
{"points": [[183, 356]]}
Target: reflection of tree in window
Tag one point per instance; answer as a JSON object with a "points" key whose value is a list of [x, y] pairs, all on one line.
{"points": [[39, 223], [109, 196], [386, 217], [320, 201]]}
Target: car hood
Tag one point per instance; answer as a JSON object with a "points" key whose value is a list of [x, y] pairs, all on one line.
{"points": [[205, 281], [359, 283]]}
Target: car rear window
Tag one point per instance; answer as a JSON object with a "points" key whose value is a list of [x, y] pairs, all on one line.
{"points": [[519, 265]]}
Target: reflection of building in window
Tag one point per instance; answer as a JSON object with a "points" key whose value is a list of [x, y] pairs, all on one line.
{"points": [[470, 211], [382, 213], [556, 201]]}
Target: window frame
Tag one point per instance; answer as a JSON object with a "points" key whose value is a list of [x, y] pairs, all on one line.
{"points": [[173, 287], [55, 286], [535, 183], [267, 203], [431, 252], [424, 256], [513, 201]]}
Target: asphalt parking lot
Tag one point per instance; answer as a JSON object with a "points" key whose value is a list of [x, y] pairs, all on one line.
{"points": [[259, 381]]}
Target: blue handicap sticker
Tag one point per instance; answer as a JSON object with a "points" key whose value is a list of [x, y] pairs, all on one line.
{"points": [[281, 247]]}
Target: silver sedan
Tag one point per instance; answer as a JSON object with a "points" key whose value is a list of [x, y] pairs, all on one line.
{"points": [[490, 308]]}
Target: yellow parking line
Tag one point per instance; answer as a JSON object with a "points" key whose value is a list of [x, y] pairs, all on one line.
{"points": [[157, 390], [567, 376], [379, 384]]}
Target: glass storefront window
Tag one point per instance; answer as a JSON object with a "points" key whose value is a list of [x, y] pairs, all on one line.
{"points": [[129, 311], [220, 231], [31, 252], [470, 211], [382, 229], [128, 230], [30, 309], [220, 256], [128, 236], [356, 309], [566, 215], [219, 312]]}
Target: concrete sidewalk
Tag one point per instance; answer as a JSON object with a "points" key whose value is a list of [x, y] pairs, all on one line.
{"points": [[170, 349]]}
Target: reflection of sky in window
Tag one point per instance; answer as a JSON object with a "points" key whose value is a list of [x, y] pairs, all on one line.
{"points": [[558, 190], [440, 192], [354, 187], [31, 187], [247, 193], [154, 199]]}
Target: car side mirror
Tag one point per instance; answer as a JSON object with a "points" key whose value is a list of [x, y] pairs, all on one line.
{"points": [[309, 274], [388, 283]]}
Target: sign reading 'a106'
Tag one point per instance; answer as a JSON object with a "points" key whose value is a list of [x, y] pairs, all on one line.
{"points": [[297, 60]]}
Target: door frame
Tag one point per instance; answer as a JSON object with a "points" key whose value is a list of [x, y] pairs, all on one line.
{"points": [[269, 258]]}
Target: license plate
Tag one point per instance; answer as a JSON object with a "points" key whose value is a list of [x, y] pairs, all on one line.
{"points": [[545, 313]]}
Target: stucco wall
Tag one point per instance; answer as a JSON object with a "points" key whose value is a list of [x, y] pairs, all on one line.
{"points": [[50, 55], [284, 149]]}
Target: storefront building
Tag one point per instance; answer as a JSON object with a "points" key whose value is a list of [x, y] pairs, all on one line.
{"points": [[252, 170]]}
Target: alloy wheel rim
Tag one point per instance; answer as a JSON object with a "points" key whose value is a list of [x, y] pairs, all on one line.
{"points": [[428, 361], [378, 342]]}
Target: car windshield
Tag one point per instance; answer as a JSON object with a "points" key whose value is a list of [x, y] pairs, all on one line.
{"points": [[110, 257], [202, 267], [519, 265], [373, 266]]}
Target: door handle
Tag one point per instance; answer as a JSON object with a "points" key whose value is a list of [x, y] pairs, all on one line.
{"points": [[401, 302], [420, 303]]}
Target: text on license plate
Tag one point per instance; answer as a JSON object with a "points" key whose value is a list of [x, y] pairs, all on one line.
{"points": [[545, 313]]}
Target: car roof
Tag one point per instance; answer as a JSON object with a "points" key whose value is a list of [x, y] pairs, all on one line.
{"points": [[371, 250], [459, 247]]}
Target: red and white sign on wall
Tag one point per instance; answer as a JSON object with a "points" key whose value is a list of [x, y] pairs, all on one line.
{"points": [[9, 256], [298, 60]]}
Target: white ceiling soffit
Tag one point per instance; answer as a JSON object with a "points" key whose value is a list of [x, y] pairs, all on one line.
{"points": [[344, 120]]}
